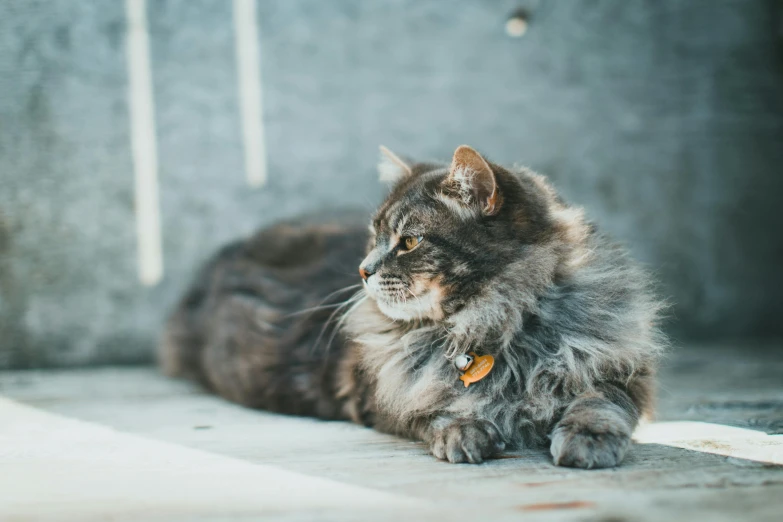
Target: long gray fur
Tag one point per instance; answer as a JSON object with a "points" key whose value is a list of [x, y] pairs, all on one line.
{"points": [[500, 266]]}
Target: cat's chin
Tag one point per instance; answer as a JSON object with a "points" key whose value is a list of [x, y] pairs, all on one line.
{"points": [[423, 307]]}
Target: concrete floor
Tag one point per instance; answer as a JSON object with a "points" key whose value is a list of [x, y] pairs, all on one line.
{"points": [[129, 444]]}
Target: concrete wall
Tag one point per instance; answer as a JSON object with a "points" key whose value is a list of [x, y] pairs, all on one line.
{"points": [[663, 118]]}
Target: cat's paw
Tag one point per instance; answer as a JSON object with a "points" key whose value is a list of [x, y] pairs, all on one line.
{"points": [[467, 441], [589, 448]]}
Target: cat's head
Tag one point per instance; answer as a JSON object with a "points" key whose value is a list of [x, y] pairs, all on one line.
{"points": [[448, 234]]}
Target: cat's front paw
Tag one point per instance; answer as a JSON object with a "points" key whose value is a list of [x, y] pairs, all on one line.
{"points": [[589, 448], [466, 441]]}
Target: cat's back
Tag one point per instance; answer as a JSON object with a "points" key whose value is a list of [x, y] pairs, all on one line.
{"points": [[267, 302], [310, 240]]}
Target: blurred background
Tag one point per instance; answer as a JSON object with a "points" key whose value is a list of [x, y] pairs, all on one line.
{"points": [[136, 137]]}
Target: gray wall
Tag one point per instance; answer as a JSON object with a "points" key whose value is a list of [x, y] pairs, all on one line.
{"points": [[663, 118]]}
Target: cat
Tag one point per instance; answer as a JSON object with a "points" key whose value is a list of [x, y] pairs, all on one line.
{"points": [[466, 257]]}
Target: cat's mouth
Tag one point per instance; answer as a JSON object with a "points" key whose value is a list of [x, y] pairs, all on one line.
{"points": [[403, 302]]}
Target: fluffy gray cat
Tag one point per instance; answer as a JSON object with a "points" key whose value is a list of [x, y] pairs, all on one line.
{"points": [[487, 314]]}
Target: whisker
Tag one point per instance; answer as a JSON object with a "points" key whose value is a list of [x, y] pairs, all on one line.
{"points": [[342, 321], [358, 296], [421, 306], [327, 322], [340, 290], [314, 309], [321, 306]]}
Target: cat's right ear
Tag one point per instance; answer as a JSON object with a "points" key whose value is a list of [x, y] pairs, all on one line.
{"points": [[392, 168]]}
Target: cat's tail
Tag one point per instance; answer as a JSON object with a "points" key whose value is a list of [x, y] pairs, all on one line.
{"points": [[182, 343], [180, 349], [177, 357], [180, 346]]}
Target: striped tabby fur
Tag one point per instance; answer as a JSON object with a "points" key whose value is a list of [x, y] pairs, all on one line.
{"points": [[499, 265]]}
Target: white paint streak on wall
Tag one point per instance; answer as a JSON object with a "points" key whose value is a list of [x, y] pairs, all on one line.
{"points": [[249, 82], [143, 144]]}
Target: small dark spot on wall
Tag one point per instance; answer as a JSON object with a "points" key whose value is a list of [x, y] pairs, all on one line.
{"points": [[37, 108], [62, 36], [114, 33], [607, 187], [5, 234], [28, 49]]}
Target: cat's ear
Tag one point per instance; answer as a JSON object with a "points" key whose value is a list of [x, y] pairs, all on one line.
{"points": [[472, 181], [392, 168]]}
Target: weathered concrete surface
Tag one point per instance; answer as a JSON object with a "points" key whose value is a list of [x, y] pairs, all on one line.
{"points": [[55, 468], [664, 118], [715, 454]]}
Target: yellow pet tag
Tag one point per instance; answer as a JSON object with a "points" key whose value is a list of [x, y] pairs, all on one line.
{"points": [[477, 369]]}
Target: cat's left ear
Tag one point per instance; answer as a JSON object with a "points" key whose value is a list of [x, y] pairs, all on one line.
{"points": [[392, 168], [472, 180]]}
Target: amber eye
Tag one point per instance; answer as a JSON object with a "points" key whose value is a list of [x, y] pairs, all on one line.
{"points": [[410, 242]]}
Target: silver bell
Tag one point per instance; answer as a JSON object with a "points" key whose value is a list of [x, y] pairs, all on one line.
{"points": [[463, 362]]}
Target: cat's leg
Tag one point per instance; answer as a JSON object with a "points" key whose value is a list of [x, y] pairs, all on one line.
{"points": [[595, 430], [463, 440]]}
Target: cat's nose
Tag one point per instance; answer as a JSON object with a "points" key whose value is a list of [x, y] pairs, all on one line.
{"points": [[365, 274]]}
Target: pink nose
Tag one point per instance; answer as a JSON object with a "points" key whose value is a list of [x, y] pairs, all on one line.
{"points": [[364, 273]]}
